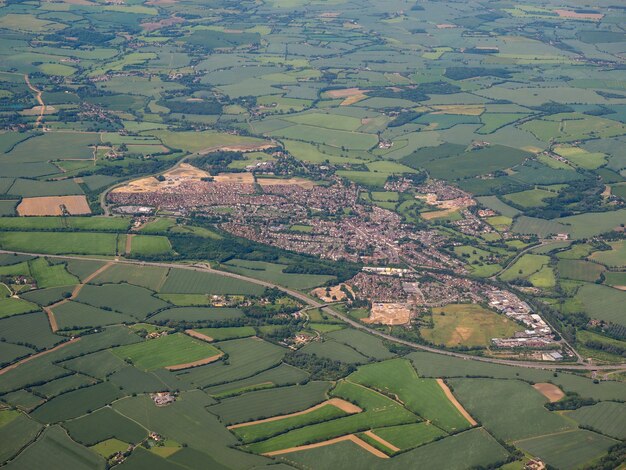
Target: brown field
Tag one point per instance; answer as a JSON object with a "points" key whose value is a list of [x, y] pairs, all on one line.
{"points": [[306, 184], [197, 335], [350, 437], [38, 110], [437, 214], [335, 291], [579, 16], [343, 405], [237, 178], [345, 93], [551, 392], [201, 362], [154, 25], [51, 205], [353, 99], [464, 109], [456, 403], [389, 314], [387, 444]]}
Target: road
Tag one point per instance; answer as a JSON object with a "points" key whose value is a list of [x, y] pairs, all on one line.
{"points": [[329, 310], [39, 99]]}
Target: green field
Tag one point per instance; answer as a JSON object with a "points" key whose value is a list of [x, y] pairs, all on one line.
{"points": [[274, 273], [380, 411], [180, 281], [220, 334], [56, 243], [603, 303], [169, 350], [525, 416], [568, 450], [149, 245], [422, 396], [616, 257], [606, 417], [580, 270], [263, 404]]}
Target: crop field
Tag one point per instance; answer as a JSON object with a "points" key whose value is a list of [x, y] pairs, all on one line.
{"points": [[182, 281], [615, 257], [525, 417], [70, 315], [534, 268], [169, 350], [580, 270], [606, 417], [604, 303], [55, 450], [150, 277], [476, 446], [149, 245], [335, 351], [77, 403], [246, 357], [422, 396], [50, 275], [56, 243], [568, 450], [221, 334], [197, 314], [380, 411], [468, 325], [406, 436], [280, 375], [104, 424], [367, 345], [268, 403], [274, 273], [530, 198], [124, 298]]}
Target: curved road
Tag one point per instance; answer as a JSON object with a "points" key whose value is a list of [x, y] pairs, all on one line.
{"points": [[314, 303]]}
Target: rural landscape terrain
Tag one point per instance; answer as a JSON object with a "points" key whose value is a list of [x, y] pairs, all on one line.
{"points": [[312, 234]]}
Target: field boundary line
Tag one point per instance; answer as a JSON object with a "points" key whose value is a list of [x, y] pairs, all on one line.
{"points": [[349, 437], [455, 402], [546, 435], [343, 405], [34, 356]]}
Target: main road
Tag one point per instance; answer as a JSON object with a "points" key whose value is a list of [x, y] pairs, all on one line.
{"points": [[329, 310]]}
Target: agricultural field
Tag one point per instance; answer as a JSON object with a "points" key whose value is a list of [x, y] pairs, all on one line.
{"points": [[309, 234], [467, 325]]}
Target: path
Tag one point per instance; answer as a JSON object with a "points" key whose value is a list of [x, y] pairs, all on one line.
{"points": [[387, 444], [49, 309], [35, 356], [129, 244], [336, 402], [201, 362], [350, 437], [455, 402], [39, 99], [329, 310]]}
